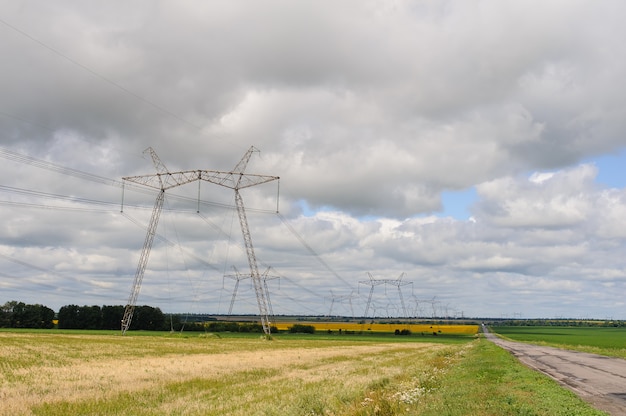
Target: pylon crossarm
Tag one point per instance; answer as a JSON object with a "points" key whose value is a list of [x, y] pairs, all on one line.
{"points": [[235, 180], [164, 181]]}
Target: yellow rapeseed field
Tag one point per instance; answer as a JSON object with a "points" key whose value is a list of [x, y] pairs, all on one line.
{"points": [[382, 327]]}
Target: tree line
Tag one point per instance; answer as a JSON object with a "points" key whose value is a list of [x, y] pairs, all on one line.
{"points": [[16, 314]]}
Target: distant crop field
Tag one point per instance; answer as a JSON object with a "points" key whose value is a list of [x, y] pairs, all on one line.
{"points": [[416, 329], [601, 340]]}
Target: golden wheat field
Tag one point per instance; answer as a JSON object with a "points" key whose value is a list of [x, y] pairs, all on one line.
{"points": [[87, 374]]}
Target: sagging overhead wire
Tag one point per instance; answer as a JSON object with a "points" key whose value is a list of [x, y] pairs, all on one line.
{"points": [[27, 192], [51, 286], [100, 76], [29, 160], [42, 164], [106, 205], [171, 243], [311, 250]]}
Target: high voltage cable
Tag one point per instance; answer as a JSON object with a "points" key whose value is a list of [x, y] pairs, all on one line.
{"points": [[7, 154], [29, 160], [14, 156], [169, 242], [21, 191], [47, 271], [42, 164], [100, 76], [310, 249]]}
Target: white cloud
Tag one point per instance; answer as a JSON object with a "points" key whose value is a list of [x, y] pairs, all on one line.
{"points": [[367, 110]]}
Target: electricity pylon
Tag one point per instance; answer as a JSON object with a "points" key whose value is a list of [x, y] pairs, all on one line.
{"points": [[239, 277], [237, 180], [376, 282], [162, 181], [340, 298]]}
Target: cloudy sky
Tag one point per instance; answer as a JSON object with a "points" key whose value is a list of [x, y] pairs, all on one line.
{"points": [[476, 150]]}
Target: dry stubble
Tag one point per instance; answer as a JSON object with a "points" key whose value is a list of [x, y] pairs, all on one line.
{"points": [[39, 369]]}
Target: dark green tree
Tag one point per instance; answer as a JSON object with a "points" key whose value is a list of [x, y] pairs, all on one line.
{"points": [[46, 316], [112, 317], [68, 317], [6, 314], [30, 316], [90, 317], [148, 318]]}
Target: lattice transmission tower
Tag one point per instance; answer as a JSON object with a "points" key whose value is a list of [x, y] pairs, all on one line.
{"points": [[340, 298], [238, 277], [162, 180], [377, 282], [236, 180]]}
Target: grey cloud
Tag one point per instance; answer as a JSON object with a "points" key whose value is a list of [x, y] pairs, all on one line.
{"points": [[367, 110]]}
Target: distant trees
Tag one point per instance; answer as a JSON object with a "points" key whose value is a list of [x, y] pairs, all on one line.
{"points": [[15, 314], [80, 317], [110, 317], [148, 318]]}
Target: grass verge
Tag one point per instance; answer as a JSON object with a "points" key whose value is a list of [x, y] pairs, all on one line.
{"points": [[490, 381]]}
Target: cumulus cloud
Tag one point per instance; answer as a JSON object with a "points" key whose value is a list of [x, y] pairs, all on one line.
{"points": [[368, 111]]}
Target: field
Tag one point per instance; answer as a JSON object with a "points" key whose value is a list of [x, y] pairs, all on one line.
{"points": [[598, 340], [83, 373], [440, 329]]}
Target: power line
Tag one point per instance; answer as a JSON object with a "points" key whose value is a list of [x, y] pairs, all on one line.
{"points": [[42, 164], [29, 160], [99, 76], [20, 158], [312, 251]]}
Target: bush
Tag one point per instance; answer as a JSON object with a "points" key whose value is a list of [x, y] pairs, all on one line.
{"points": [[302, 329]]}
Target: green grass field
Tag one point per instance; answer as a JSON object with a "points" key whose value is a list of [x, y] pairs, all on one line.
{"points": [[99, 373], [598, 340]]}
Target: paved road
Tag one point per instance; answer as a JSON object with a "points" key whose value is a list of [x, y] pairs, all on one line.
{"points": [[596, 379]]}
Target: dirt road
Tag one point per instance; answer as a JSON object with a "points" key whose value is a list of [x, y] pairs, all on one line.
{"points": [[597, 379]]}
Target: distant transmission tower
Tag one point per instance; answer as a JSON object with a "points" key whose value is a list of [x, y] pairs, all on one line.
{"points": [[340, 298], [237, 276], [376, 282]]}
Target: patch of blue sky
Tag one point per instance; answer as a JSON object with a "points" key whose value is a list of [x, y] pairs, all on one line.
{"points": [[611, 169], [307, 211], [456, 204]]}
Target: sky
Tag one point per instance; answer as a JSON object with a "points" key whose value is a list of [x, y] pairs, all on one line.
{"points": [[436, 158]]}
